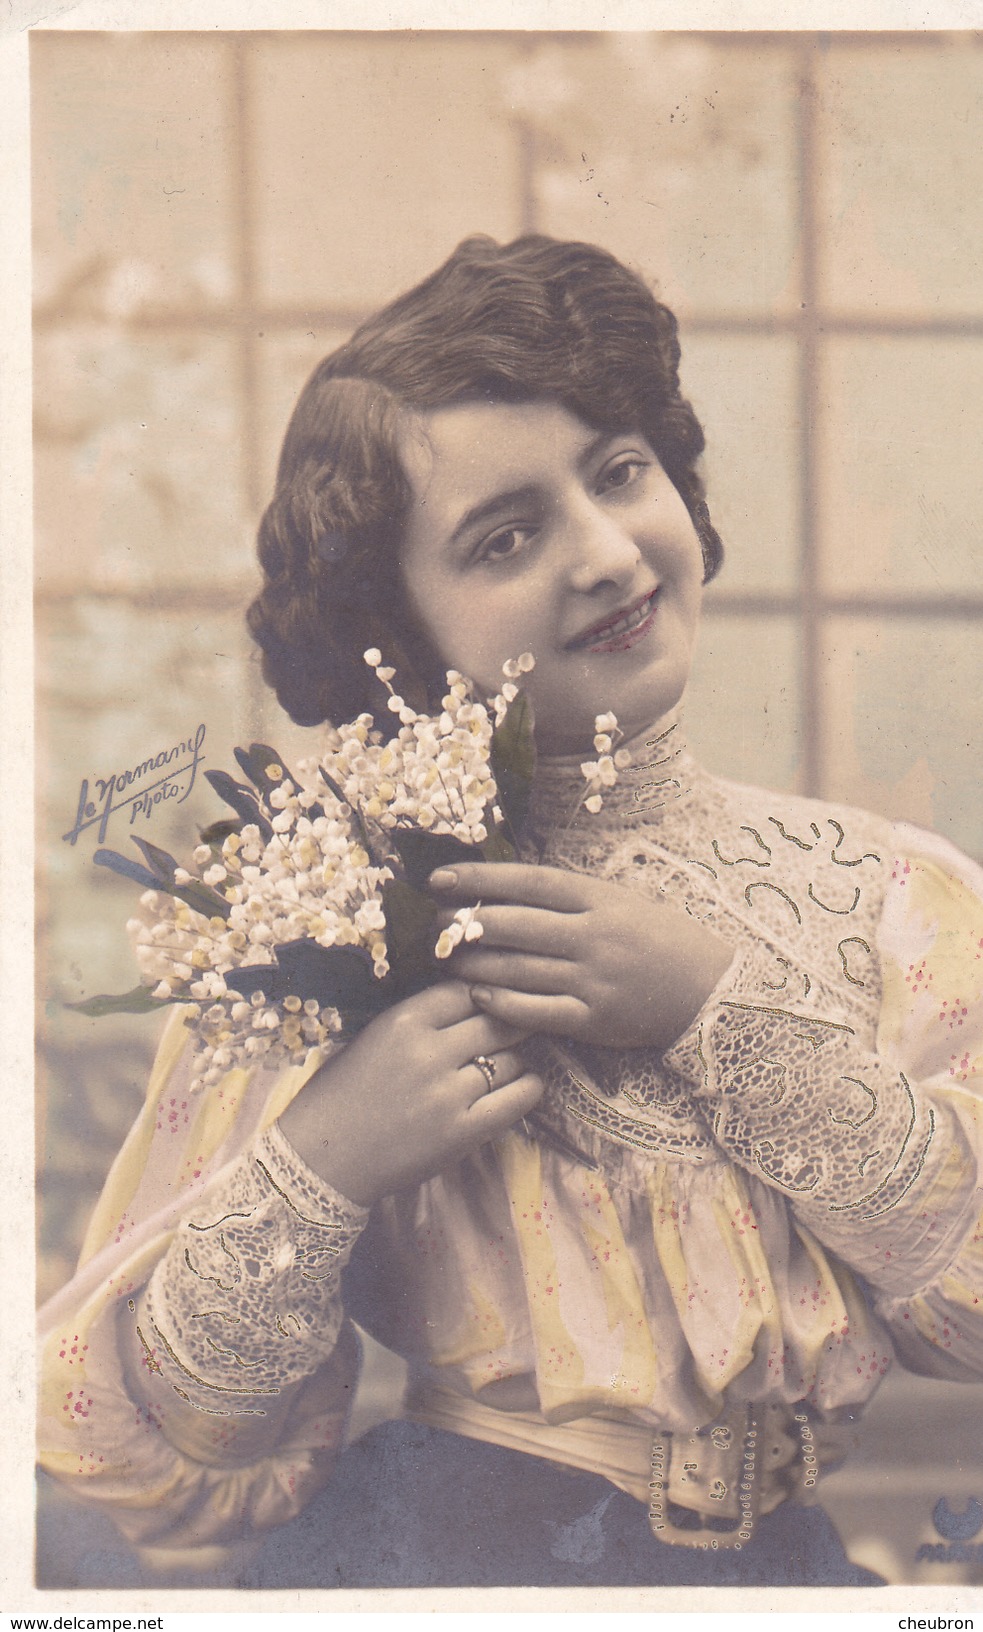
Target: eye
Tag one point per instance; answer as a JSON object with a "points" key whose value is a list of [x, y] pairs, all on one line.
{"points": [[621, 471], [505, 543]]}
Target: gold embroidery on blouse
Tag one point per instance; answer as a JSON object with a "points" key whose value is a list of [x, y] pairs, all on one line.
{"points": [[201, 1228], [213, 1411], [852, 940], [219, 1388], [316, 1223], [849, 1206], [868, 855], [841, 912], [791, 836], [219, 1283], [230, 1354], [848, 1121], [738, 861], [764, 884]]}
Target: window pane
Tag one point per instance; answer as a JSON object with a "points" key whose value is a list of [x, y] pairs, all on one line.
{"points": [[744, 391], [137, 459], [901, 465], [374, 156], [132, 159], [677, 152], [902, 152]]}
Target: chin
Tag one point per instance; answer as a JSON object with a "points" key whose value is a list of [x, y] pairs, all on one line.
{"points": [[650, 705]]}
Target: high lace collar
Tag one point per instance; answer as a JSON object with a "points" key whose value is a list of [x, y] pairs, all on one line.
{"points": [[662, 775]]}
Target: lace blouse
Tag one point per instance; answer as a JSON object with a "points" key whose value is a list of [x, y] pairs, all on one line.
{"points": [[683, 1271]]}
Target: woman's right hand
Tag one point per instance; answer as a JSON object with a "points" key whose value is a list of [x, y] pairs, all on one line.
{"points": [[404, 1098]]}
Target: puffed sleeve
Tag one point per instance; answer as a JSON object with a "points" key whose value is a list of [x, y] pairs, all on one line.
{"points": [[198, 1373], [876, 1148]]}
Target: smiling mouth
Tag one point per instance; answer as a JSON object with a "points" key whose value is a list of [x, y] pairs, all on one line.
{"points": [[618, 631]]}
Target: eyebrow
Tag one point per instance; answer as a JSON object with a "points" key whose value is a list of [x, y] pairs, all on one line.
{"points": [[516, 497]]}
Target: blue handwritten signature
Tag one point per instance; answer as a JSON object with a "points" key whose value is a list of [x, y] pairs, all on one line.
{"points": [[110, 793]]}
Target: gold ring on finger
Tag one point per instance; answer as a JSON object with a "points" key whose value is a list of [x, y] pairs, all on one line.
{"points": [[487, 1067]]}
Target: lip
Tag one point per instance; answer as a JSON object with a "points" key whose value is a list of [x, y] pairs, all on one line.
{"points": [[597, 637]]}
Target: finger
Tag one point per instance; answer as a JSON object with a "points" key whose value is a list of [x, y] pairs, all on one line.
{"points": [[510, 881], [504, 1067], [445, 1004], [482, 1034], [519, 971], [527, 929], [492, 1113], [566, 1016]]}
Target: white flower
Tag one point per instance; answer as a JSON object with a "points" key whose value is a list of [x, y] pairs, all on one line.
{"points": [[606, 772], [593, 804], [473, 930], [373, 657], [465, 926], [606, 722]]}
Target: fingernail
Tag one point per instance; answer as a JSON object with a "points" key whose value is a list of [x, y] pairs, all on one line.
{"points": [[443, 879], [480, 994]]}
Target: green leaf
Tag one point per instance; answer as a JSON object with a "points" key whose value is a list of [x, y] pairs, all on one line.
{"points": [[127, 869], [513, 760], [498, 848], [140, 1000], [160, 876], [358, 821], [243, 801], [257, 761], [202, 899], [216, 832], [410, 936], [420, 852], [338, 976], [336, 787], [163, 864], [196, 895]]}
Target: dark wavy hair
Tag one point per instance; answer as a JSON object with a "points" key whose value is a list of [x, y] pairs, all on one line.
{"points": [[531, 320]]}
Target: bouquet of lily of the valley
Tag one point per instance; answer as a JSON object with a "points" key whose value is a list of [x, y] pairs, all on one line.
{"points": [[305, 914]]}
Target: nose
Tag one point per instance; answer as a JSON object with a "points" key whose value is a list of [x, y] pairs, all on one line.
{"points": [[602, 548]]}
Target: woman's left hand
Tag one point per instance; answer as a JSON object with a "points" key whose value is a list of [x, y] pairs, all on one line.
{"points": [[579, 957]]}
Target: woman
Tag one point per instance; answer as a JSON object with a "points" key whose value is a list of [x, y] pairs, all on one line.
{"points": [[755, 1173]]}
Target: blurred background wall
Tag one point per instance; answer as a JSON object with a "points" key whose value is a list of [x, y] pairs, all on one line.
{"points": [[213, 212]]}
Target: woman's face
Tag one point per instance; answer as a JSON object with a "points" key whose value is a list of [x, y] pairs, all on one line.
{"points": [[531, 532]]}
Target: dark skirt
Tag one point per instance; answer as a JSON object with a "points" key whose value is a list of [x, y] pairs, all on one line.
{"points": [[417, 1507]]}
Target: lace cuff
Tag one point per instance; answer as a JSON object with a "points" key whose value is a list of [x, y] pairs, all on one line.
{"points": [[879, 1174], [247, 1299]]}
